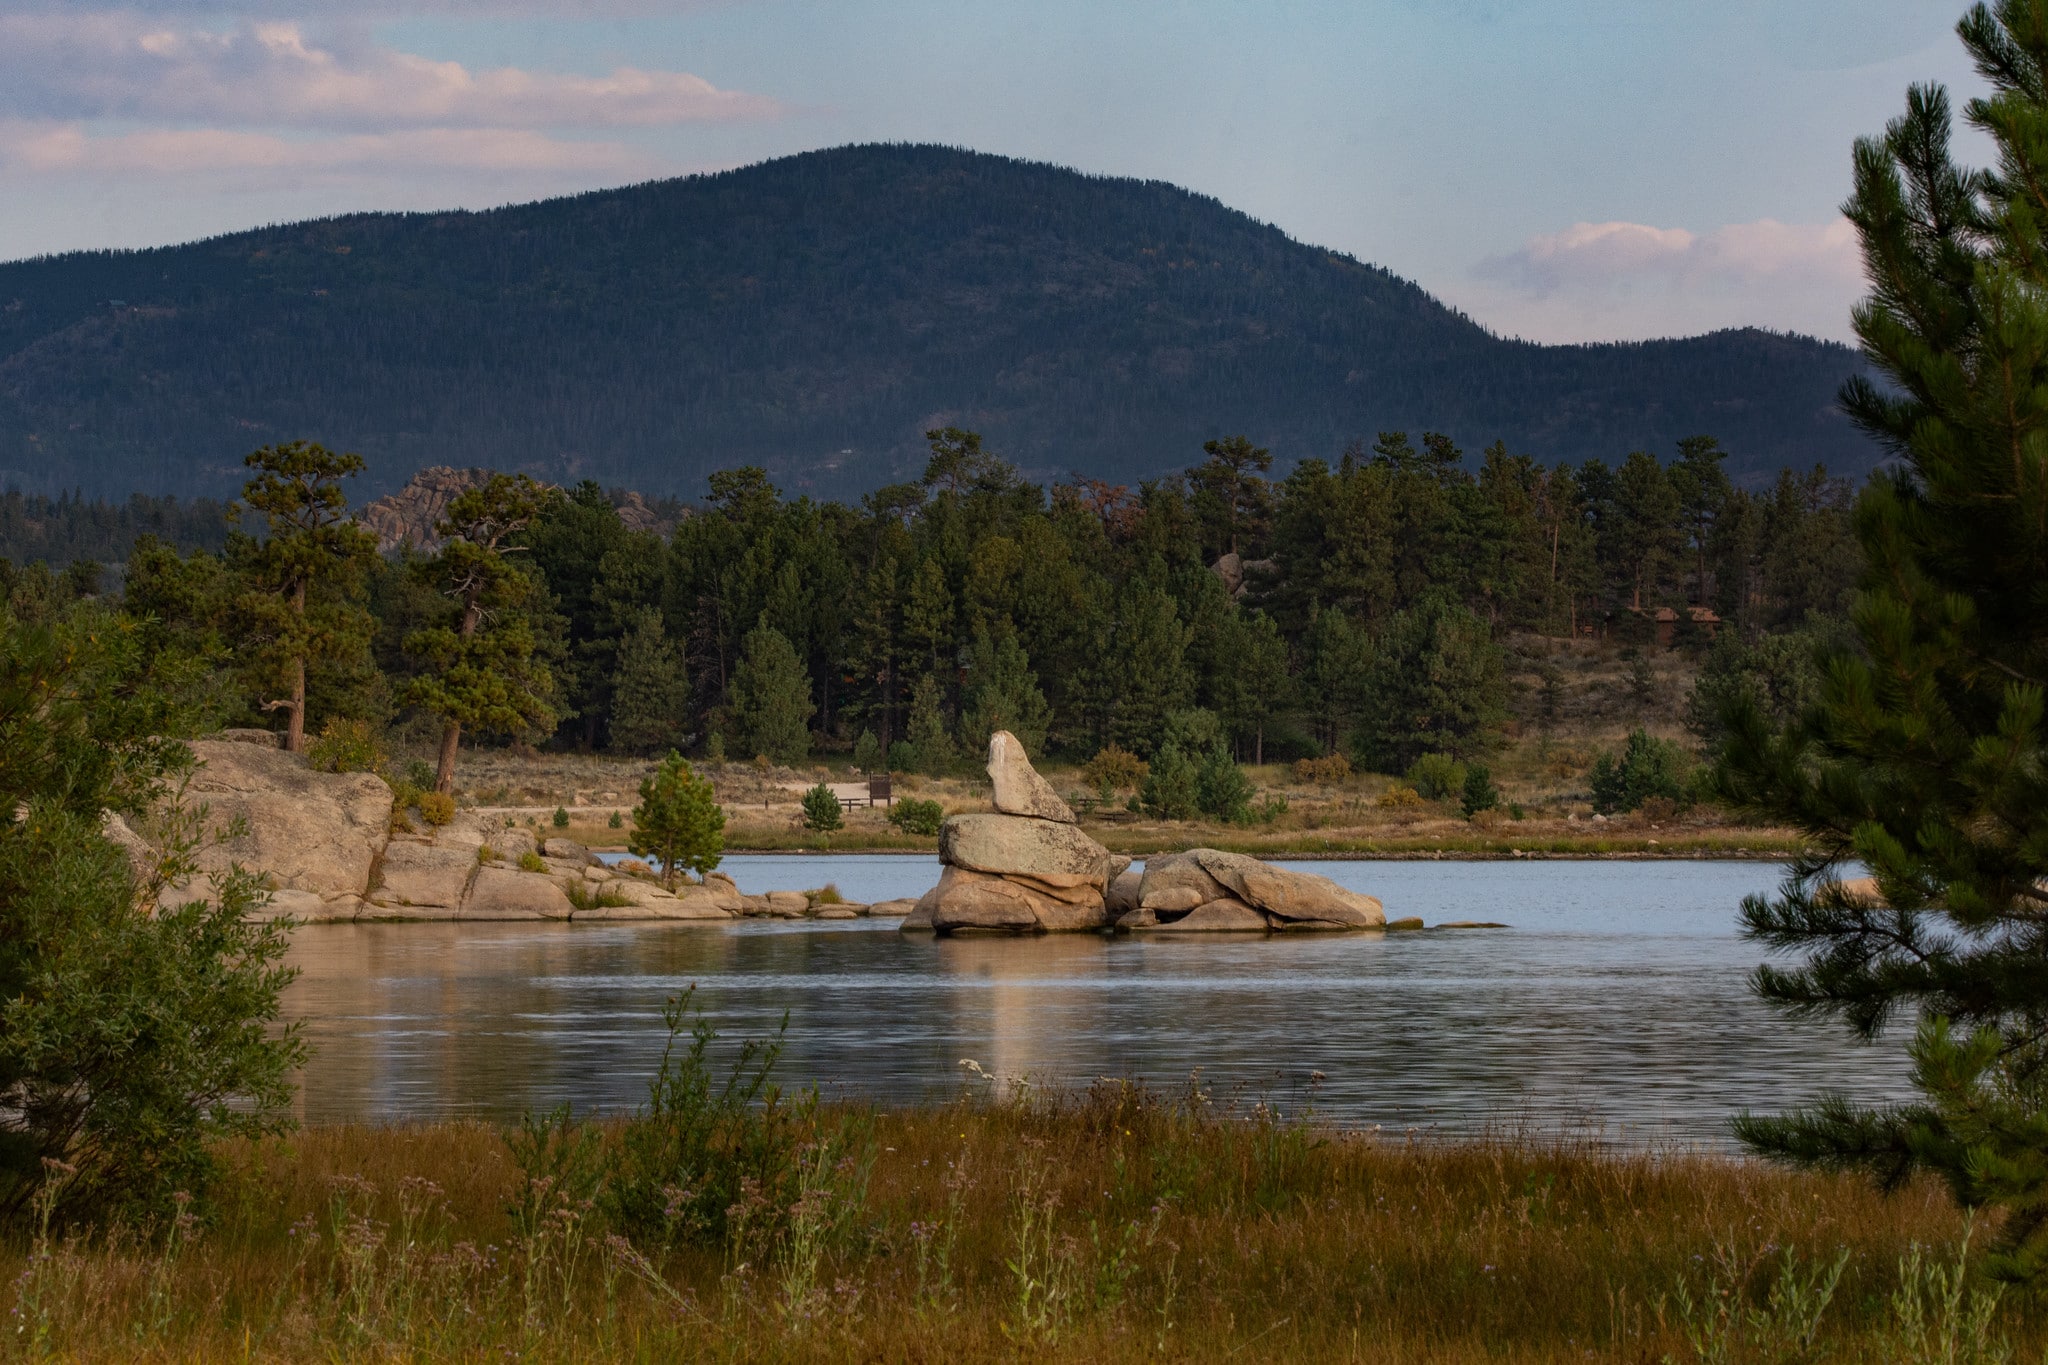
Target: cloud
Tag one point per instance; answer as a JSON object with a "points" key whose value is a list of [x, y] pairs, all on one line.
{"points": [[1618, 280], [71, 149], [1595, 258], [271, 74]]}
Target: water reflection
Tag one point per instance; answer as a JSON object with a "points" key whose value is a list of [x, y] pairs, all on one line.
{"points": [[1618, 1001]]}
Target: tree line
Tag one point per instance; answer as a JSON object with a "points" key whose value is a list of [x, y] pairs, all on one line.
{"points": [[1356, 606]]}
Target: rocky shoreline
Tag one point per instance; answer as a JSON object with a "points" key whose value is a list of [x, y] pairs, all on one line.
{"points": [[333, 850]]}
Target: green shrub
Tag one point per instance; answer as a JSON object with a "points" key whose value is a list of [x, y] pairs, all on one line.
{"points": [[436, 808], [486, 854], [345, 746], [561, 818], [1437, 777], [821, 809], [1479, 793], [1171, 790], [1648, 767], [903, 757], [421, 775], [530, 861], [1222, 791], [867, 752], [913, 816], [616, 822], [678, 822], [1114, 769]]}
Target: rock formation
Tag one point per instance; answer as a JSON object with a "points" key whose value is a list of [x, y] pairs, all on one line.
{"points": [[1206, 890], [406, 518], [1026, 869], [331, 849]]}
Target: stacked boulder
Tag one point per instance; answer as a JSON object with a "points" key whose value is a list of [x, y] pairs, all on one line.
{"points": [[1207, 890], [1026, 869]]}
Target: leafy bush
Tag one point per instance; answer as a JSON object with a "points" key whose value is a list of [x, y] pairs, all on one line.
{"points": [[530, 861], [1332, 768], [1648, 767], [138, 1032], [1479, 793], [436, 808], [346, 746], [420, 774], [561, 818], [1437, 777], [1399, 798], [1222, 791], [903, 757], [1114, 769], [867, 752], [913, 816], [1171, 790], [616, 822], [821, 809]]}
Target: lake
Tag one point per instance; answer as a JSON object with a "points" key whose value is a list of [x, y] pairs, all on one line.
{"points": [[1616, 1005]]}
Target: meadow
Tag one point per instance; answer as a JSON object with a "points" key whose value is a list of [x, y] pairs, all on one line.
{"points": [[1113, 1225]]}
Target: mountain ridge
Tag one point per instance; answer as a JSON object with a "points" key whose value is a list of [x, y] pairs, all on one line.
{"points": [[814, 314]]}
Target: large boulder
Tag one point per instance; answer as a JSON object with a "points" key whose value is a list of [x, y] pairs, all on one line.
{"points": [[415, 872], [507, 893], [1218, 890], [1019, 788], [969, 901], [1225, 915], [305, 831], [1058, 854], [1298, 897]]}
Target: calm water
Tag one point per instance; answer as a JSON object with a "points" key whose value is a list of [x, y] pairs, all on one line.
{"points": [[1616, 1002]]}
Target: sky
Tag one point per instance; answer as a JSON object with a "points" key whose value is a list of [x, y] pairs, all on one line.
{"points": [[1562, 170]]}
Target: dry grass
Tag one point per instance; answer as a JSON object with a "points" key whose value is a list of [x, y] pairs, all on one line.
{"points": [[1110, 1227]]}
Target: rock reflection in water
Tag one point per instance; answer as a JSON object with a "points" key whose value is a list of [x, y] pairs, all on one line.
{"points": [[1618, 1000]]}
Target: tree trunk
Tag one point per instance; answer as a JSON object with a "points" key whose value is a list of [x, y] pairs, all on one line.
{"points": [[1258, 746], [295, 725], [444, 776]]}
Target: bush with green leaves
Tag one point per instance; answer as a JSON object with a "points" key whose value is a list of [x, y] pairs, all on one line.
{"points": [[1114, 769], [560, 819], [1222, 791], [1479, 792], [913, 816], [136, 1031], [346, 746], [678, 822], [1172, 788], [821, 809], [1437, 777], [867, 752], [1648, 767]]}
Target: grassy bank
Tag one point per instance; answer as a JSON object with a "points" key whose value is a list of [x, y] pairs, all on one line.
{"points": [[1108, 1227]]}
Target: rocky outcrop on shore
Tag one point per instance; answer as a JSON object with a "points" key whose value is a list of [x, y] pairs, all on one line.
{"points": [[1027, 868], [332, 850]]}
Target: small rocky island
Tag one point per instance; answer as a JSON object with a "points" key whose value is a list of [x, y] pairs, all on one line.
{"points": [[1029, 868]]}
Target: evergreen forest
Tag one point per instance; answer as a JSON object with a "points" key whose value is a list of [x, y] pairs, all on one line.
{"points": [[1357, 606]]}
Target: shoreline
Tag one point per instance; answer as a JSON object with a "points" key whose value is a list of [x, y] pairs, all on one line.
{"points": [[1400, 855]]}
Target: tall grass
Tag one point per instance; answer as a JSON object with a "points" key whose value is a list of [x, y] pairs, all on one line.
{"points": [[1115, 1225]]}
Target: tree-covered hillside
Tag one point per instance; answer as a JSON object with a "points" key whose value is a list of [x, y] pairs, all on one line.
{"points": [[816, 315]]}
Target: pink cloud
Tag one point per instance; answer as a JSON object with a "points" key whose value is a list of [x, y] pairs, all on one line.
{"points": [[70, 149], [271, 74]]}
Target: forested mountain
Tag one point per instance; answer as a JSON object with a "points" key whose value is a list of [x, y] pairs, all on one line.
{"points": [[815, 315]]}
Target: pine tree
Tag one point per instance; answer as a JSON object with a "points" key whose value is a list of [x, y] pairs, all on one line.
{"points": [[771, 697], [312, 545], [650, 690], [483, 672], [929, 737], [1002, 693], [1925, 758], [678, 822], [821, 809], [1435, 685]]}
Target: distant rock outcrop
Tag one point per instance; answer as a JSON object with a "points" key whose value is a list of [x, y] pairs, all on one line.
{"points": [[407, 518], [1205, 889]]}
